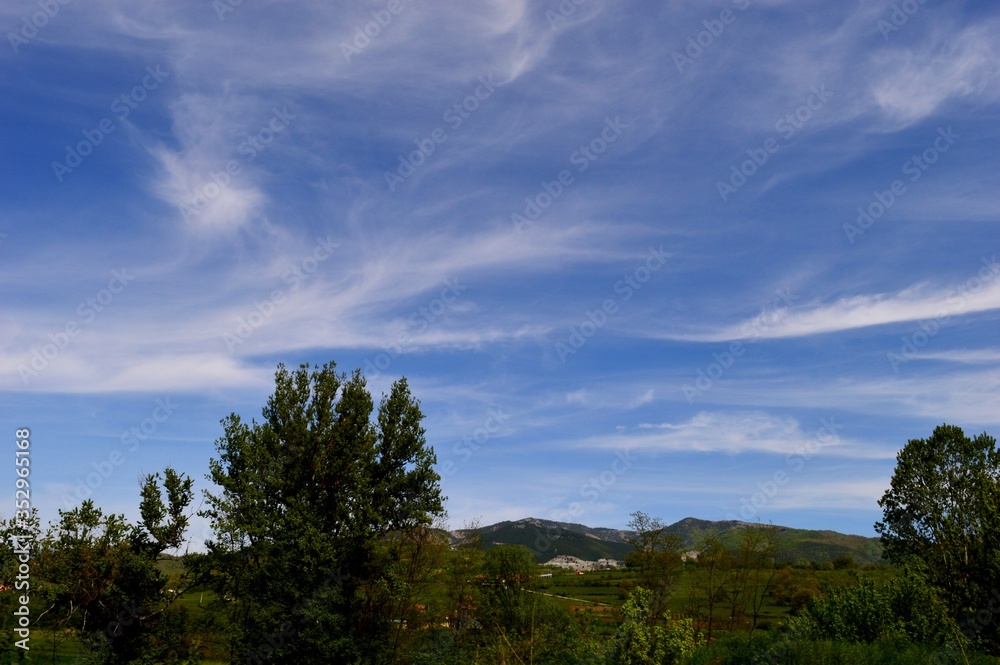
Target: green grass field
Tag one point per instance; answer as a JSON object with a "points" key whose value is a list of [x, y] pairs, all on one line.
{"points": [[595, 596], [603, 592]]}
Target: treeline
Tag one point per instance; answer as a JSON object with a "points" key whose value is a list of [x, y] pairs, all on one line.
{"points": [[327, 547], [91, 579]]}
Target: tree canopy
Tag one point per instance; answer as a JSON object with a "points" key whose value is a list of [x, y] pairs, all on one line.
{"points": [[942, 511], [317, 507]]}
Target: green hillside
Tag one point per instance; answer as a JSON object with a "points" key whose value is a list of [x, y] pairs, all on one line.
{"points": [[548, 539]]}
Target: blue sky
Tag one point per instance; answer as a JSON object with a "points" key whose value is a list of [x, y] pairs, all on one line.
{"points": [[706, 259]]}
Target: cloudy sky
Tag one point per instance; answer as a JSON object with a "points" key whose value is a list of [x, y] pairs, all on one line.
{"points": [[713, 259]]}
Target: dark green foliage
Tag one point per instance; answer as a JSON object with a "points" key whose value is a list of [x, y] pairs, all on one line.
{"points": [[95, 576], [755, 571], [462, 584], [656, 558], [11, 550], [844, 563], [515, 622], [324, 552], [943, 510], [642, 639], [504, 618], [163, 524], [314, 549], [776, 649], [506, 598], [709, 594], [905, 609]]}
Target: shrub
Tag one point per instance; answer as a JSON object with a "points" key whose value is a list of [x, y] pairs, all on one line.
{"points": [[904, 609], [638, 641]]}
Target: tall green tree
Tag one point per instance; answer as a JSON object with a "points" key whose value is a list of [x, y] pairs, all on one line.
{"points": [[461, 583], [656, 558], [506, 595], [317, 508], [756, 560], [711, 588], [942, 509]]}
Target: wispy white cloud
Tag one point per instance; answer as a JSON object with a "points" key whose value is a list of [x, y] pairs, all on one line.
{"points": [[964, 356], [911, 83], [734, 432], [968, 396], [830, 495], [361, 297], [618, 401], [979, 293], [184, 182]]}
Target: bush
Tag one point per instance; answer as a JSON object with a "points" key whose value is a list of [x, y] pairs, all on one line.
{"points": [[802, 600], [904, 609], [772, 649], [844, 562], [639, 642]]}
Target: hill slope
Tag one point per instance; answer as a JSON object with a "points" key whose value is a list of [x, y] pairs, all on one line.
{"points": [[547, 539]]}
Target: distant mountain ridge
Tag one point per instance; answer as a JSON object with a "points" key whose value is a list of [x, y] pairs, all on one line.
{"points": [[548, 539]]}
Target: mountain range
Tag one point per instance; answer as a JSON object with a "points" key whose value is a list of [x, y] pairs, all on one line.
{"points": [[548, 539]]}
